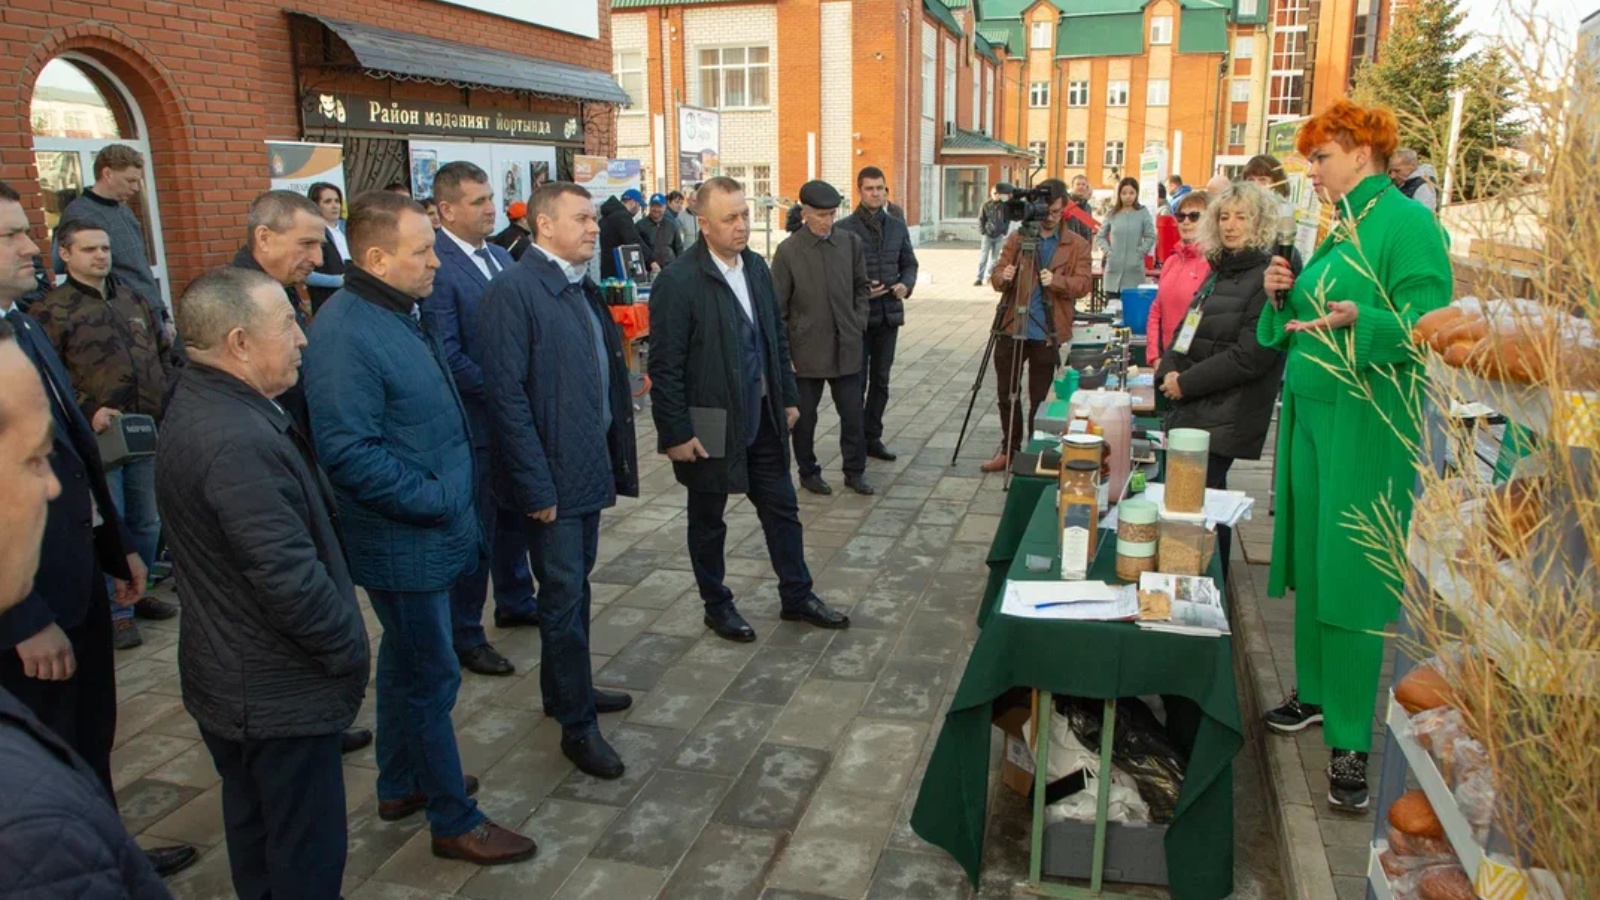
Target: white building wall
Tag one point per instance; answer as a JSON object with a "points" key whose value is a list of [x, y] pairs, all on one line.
{"points": [[838, 123], [749, 137], [930, 47], [628, 33]]}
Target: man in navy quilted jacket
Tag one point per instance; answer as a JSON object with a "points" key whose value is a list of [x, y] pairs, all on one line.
{"points": [[390, 430], [561, 445]]}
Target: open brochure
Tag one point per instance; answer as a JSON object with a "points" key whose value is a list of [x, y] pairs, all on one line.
{"points": [[1181, 604], [1069, 600]]}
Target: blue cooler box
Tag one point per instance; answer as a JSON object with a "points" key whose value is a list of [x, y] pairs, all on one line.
{"points": [[1136, 303]]}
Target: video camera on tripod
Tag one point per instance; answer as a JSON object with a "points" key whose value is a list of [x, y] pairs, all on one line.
{"points": [[1028, 206]]}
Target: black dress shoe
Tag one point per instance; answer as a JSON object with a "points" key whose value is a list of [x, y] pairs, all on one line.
{"points": [[169, 861], [813, 610], [485, 660], [593, 755], [860, 485], [355, 739], [815, 484], [154, 610], [501, 620], [606, 701], [877, 450], [730, 625]]}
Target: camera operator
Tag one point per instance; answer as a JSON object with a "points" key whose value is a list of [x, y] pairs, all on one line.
{"points": [[1062, 280]]}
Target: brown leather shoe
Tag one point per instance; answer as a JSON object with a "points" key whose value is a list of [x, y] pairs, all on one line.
{"points": [[998, 464], [395, 810], [486, 845]]}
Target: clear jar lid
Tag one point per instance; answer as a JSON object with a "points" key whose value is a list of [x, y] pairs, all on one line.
{"points": [[1138, 512], [1189, 440]]}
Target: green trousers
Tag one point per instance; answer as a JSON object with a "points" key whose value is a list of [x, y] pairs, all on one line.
{"points": [[1336, 668]]}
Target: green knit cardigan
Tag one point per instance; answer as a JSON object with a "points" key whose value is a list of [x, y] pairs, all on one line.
{"points": [[1396, 269]]}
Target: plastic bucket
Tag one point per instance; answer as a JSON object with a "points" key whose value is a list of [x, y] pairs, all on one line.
{"points": [[1136, 303]]}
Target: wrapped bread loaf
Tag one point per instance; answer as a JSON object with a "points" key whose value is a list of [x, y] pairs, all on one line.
{"points": [[1513, 513], [1422, 688], [1434, 323], [1413, 815], [1445, 883]]}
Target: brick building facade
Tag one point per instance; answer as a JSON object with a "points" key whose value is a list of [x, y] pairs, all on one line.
{"points": [[201, 85]]}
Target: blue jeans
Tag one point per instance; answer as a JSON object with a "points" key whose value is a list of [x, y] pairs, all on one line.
{"points": [[133, 492], [418, 676], [989, 254], [772, 494], [563, 554], [507, 565]]}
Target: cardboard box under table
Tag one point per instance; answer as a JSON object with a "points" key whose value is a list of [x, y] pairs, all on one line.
{"points": [[1105, 661]]}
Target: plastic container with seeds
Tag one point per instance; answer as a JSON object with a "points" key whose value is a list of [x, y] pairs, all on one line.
{"points": [[1188, 450], [1186, 547], [1137, 522], [1135, 559]]}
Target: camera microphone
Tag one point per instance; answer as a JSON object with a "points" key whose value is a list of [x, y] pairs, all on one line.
{"points": [[1285, 248]]}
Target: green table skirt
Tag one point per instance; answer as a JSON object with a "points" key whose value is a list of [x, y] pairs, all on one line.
{"points": [[1101, 660]]}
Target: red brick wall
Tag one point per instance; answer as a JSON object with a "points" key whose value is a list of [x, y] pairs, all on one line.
{"points": [[880, 51], [214, 79], [799, 102]]}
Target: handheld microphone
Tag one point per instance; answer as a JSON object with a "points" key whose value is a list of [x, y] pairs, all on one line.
{"points": [[1285, 248]]}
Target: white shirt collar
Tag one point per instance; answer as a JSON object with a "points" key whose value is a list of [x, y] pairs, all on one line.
{"points": [[466, 248], [575, 274], [9, 307], [738, 264]]}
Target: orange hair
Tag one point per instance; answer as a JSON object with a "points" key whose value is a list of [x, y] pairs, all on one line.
{"points": [[1352, 126]]}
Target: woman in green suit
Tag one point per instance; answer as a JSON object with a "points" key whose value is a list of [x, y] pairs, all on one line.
{"points": [[1345, 452]]}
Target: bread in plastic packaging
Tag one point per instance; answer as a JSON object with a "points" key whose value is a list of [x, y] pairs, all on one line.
{"points": [[1413, 814]]}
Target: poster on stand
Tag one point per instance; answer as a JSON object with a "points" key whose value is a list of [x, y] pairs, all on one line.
{"points": [[296, 166], [1308, 214], [424, 165], [515, 170], [606, 178], [699, 145], [1152, 172]]}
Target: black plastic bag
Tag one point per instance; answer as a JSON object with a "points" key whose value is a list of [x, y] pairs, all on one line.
{"points": [[1140, 747]]}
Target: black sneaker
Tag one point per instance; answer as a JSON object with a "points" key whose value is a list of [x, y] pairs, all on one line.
{"points": [[815, 484], [1293, 716], [1347, 781]]}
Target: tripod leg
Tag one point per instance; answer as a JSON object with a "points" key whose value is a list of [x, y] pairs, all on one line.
{"points": [[972, 398], [1014, 410]]}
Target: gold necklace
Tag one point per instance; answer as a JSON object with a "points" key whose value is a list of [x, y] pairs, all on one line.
{"points": [[1343, 231]]}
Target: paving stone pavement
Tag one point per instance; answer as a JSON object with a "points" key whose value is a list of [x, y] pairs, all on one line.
{"points": [[778, 770]]}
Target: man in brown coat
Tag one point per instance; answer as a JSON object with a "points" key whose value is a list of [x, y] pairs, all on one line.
{"points": [[820, 276], [1062, 279]]}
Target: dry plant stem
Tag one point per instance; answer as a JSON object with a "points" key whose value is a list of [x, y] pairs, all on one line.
{"points": [[1527, 674]]}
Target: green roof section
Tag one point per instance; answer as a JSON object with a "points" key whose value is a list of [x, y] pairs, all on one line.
{"points": [[942, 15], [1113, 35], [1003, 34], [963, 140], [1203, 31], [984, 49]]}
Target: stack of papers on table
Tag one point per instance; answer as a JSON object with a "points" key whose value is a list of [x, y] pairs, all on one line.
{"points": [[1091, 601], [1194, 601], [1221, 507]]}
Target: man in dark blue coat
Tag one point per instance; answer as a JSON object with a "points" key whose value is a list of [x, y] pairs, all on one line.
{"points": [[561, 425], [723, 396], [390, 431], [467, 260], [61, 835], [55, 645]]}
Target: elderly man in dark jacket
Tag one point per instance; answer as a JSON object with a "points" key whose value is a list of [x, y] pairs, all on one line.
{"points": [[60, 831], [272, 649], [723, 393], [390, 430], [820, 278], [562, 446], [892, 274]]}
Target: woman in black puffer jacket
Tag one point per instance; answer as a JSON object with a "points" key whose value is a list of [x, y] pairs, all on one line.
{"points": [[1222, 380]]}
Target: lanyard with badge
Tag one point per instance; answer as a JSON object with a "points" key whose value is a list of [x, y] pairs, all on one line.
{"points": [[1191, 321]]}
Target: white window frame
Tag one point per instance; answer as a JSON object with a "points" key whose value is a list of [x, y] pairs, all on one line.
{"points": [[988, 102], [1248, 8], [1077, 94], [1158, 92], [722, 69], [1039, 37], [1239, 90], [640, 104], [1039, 95], [1242, 133], [930, 83], [1115, 155], [1244, 46], [1076, 155], [1037, 150], [1160, 31], [1117, 93], [944, 192], [950, 82]]}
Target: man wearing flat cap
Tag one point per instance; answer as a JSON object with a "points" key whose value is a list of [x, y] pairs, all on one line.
{"points": [[820, 276]]}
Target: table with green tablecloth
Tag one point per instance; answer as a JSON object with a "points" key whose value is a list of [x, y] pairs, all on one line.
{"points": [[1102, 660]]}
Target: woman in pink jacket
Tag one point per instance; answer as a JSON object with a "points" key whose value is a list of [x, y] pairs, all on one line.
{"points": [[1182, 274]]}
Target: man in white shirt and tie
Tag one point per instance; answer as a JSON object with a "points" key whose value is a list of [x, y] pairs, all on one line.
{"points": [[468, 260]]}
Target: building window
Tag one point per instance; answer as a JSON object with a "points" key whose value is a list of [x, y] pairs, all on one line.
{"points": [[1236, 134], [1247, 8], [628, 68], [1077, 93], [927, 203], [1289, 51], [1037, 149], [1156, 92], [1077, 155], [1290, 13], [1239, 91], [988, 104], [1284, 96], [1244, 47], [1117, 93], [1116, 154], [930, 83], [1039, 94], [1040, 39], [1363, 39], [964, 190], [734, 77], [1160, 30], [950, 83]]}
